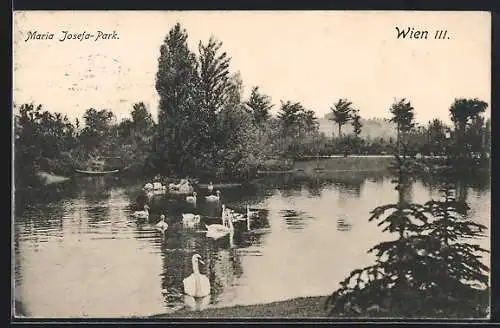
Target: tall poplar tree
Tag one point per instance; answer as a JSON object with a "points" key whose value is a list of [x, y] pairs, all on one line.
{"points": [[177, 85]]}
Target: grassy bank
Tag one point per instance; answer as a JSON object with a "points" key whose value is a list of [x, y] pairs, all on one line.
{"points": [[303, 307]]}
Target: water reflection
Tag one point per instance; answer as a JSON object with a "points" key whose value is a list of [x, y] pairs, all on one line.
{"points": [[295, 219], [82, 254]]}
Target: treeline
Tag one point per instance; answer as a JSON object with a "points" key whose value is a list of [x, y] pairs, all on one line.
{"points": [[206, 127], [50, 142]]}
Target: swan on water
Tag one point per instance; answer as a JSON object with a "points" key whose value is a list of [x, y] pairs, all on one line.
{"points": [[191, 199], [184, 186], [213, 198], [162, 225], [158, 186], [217, 231], [196, 285], [142, 214], [151, 193], [190, 219]]}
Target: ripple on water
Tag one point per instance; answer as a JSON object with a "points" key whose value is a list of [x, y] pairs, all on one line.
{"points": [[86, 255]]}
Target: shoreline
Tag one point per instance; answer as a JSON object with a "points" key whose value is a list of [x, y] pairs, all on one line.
{"points": [[300, 307], [311, 307]]}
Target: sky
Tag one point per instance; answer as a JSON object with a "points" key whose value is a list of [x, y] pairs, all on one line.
{"points": [[314, 57]]}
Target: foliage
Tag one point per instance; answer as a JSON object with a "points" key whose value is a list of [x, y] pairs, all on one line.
{"points": [[259, 105], [437, 137], [462, 112], [356, 123], [42, 139], [97, 130], [341, 111], [403, 115], [296, 123], [136, 136], [180, 121], [214, 75], [428, 270]]}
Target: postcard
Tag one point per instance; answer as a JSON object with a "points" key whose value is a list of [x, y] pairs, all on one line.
{"points": [[251, 164]]}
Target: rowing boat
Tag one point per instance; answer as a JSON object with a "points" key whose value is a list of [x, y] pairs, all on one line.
{"points": [[96, 172]]}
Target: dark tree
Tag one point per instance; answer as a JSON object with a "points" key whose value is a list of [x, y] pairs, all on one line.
{"points": [[356, 123], [462, 111], [341, 113], [260, 105], [403, 116], [177, 84], [429, 270]]}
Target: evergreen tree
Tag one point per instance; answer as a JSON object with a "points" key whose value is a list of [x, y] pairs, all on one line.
{"points": [[356, 123], [429, 270], [177, 84], [260, 105], [403, 116]]}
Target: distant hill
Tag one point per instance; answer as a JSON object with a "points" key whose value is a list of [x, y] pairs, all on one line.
{"points": [[372, 128]]}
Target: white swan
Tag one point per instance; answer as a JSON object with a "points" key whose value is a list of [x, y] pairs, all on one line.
{"points": [[191, 199], [250, 215], [213, 198], [162, 225], [158, 186], [210, 187], [153, 192], [196, 285], [217, 231], [142, 214], [190, 219]]}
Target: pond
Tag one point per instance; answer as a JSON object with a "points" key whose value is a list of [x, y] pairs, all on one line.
{"points": [[79, 253]]}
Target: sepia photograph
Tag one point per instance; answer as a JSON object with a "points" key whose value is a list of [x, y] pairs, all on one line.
{"points": [[251, 164]]}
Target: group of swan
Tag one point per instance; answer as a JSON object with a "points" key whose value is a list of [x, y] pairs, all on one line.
{"points": [[197, 285], [144, 214], [183, 187], [234, 216], [209, 198], [154, 186]]}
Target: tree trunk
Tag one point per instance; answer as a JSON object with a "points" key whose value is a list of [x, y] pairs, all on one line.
{"points": [[399, 139]]}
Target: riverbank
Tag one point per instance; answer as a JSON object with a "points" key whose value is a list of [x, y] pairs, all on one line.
{"points": [[302, 307], [344, 164]]}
